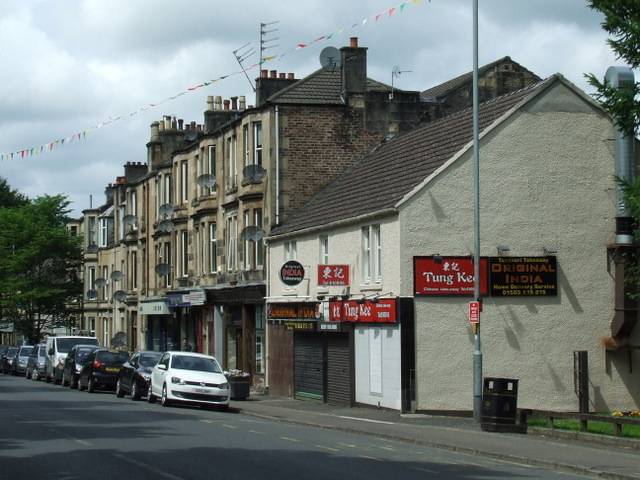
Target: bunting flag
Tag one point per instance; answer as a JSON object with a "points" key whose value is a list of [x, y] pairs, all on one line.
{"points": [[32, 151]]}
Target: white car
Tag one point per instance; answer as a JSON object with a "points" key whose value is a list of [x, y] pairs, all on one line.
{"points": [[191, 378]]}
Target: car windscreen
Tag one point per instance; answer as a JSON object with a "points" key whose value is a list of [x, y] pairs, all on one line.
{"points": [[82, 354], [66, 344], [149, 359], [186, 362], [112, 358], [42, 351], [25, 351]]}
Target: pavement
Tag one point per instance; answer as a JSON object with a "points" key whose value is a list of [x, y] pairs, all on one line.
{"points": [[573, 452]]}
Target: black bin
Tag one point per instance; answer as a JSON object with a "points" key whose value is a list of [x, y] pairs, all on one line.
{"points": [[499, 404]]}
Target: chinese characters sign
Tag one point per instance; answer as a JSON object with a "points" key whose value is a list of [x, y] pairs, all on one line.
{"points": [[447, 276], [329, 275], [381, 311]]}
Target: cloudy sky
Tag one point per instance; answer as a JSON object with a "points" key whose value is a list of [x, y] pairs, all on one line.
{"points": [[85, 78]]}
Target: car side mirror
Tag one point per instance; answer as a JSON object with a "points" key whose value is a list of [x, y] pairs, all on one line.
{"points": [[51, 351], [162, 367]]}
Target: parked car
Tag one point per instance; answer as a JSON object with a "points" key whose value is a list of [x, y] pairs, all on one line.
{"points": [[35, 363], [57, 349], [74, 362], [101, 369], [6, 361], [3, 349], [135, 374], [191, 378], [19, 366]]}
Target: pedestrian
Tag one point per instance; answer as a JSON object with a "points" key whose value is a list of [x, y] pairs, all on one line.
{"points": [[186, 346]]}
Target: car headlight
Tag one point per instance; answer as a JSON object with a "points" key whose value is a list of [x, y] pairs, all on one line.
{"points": [[224, 386], [146, 376], [61, 361], [177, 380], [78, 368], [39, 364]]}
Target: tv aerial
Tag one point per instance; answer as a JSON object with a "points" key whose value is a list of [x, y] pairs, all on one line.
{"points": [[330, 59], [101, 282], [92, 294], [119, 295], [165, 225], [206, 180], [263, 41], [163, 269], [166, 209], [117, 275], [129, 219], [252, 233], [241, 55], [93, 248], [255, 173], [395, 73], [190, 135]]}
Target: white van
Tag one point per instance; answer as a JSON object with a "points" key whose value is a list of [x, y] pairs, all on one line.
{"points": [[57, 350]]}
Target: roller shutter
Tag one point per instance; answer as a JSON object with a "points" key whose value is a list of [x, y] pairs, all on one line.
{"points": [[338, 370], [308, 367]]}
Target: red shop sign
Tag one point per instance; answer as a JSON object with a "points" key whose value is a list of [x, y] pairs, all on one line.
{"points": [[382, 310], [447, 276], [333, 275]]}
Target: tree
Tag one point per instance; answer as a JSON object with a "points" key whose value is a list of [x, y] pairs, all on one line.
{"points": [[11, 198], [40, 265], [622, 22]]}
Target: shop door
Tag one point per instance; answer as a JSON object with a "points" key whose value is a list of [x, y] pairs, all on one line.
{"points": [[308, 367], [338, 370]]}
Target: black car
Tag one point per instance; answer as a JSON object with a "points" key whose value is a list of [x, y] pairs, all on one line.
{"points": [[135, 374], [101, 369], [35, 363], [6, 361], [74, 362]]}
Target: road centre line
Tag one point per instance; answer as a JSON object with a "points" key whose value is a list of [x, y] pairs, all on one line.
{"points": [[147, 467]]}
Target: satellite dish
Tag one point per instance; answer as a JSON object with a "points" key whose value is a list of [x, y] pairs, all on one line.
{"points": [[330, 59], [101, 282], [166, 209], [92, 294], [206, 180], [117, 275], [93, 248], [254, 172], [252, 233], [163, 269], [129, 219], [191, 135], [165, 226], [119, 295], [119, 340]]}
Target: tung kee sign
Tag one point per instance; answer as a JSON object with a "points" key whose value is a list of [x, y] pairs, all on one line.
{"points": [[447, 276], [382, 311]]}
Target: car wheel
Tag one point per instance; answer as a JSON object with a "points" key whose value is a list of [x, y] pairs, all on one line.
{"points": [[222, 408], [91, 385], [150, 397], [73, 382], [56, 381], [34, 376], [164, 400], [64, 382], [47, 379], [79, 384], [119, 392], [135, 391]]}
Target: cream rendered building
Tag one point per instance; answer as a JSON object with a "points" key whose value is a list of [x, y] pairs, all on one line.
{"points": [[547, 192]]}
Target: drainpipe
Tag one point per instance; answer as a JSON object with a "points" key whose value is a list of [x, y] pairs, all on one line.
{"points": [[277, 166], [625, 308]]}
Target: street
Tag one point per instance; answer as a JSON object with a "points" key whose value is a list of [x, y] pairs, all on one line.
{"points": [[51, 432]]}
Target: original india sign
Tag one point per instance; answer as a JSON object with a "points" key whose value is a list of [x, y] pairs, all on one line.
{"points": [[523, 276]]}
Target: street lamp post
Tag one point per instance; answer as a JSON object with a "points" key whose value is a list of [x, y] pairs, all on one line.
{"points": [[477, 352]]}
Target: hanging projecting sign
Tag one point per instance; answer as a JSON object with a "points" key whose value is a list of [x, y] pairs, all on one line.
{"points": [[523, 276], [382, 310], [333, 275], [292, 273], [438, 275]]}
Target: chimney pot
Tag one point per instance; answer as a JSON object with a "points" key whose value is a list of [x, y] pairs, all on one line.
{"points": [[226, 104], [263, 73], [353, 41], [218, 103], [209, 103], [180, 124], [291, 76], [234, 103], [274, 73], [243, 102]]}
